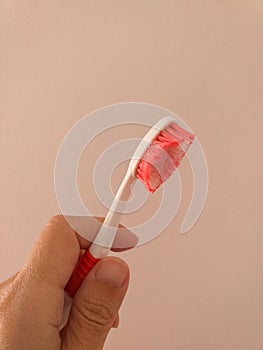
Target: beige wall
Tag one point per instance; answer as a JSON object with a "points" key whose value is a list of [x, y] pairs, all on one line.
{"points": [[61, 60]]}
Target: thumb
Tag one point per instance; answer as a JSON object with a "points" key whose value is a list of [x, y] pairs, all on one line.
{"points": [[96, 304]]}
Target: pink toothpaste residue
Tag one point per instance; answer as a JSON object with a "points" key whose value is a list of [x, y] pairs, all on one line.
{"points": [[163, 156]]}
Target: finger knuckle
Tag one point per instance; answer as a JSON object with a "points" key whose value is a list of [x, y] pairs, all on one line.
{"points": [[55, 224], [57, 220], [99, 314]]}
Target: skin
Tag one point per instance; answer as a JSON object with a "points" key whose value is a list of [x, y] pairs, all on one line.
{"points": [[31, 301]]}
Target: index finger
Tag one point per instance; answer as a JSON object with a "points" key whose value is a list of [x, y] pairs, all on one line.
{"points": [[57, 250]]}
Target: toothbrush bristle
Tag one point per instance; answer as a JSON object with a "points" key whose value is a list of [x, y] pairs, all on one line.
{"points": [[163, 156]]}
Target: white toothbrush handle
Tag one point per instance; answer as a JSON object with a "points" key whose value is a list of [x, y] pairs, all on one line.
{"points": [[104, 239]]}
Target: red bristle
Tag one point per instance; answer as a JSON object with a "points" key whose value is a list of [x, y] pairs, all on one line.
{"points": [[163, 156]]}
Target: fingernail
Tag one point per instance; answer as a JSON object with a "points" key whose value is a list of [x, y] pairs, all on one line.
{"points": [[116, 322], [112, 269]]}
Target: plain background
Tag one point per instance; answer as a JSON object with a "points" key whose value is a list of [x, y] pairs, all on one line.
{"points": [[60, 60]]}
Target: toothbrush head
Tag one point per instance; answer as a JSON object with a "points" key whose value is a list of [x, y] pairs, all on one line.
{"points": [[163, 154]]}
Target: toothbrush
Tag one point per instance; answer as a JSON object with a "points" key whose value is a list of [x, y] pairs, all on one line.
{"points": [[155, 159]]}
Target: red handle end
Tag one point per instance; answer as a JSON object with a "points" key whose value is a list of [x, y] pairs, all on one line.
{"points": [[83, 267]]}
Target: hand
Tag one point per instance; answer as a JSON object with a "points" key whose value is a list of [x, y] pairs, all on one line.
{"points": [[31, 302]]}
